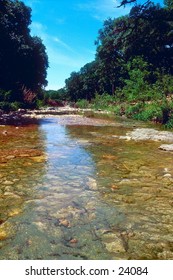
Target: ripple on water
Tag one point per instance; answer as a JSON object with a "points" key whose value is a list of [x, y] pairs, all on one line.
{"points": [[69, 190]]}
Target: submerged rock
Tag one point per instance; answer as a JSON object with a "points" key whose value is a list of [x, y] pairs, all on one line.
{"points": [[113, 243], [92, 184], [3, 235]]}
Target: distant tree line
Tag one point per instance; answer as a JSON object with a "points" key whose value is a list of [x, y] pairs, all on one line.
{"points": [[23, 58]]}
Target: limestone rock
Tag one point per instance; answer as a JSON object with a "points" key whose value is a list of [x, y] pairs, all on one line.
{"points": [[150, 134], [167, 147]]}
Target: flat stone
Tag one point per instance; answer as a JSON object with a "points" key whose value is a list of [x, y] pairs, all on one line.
{"points": [[167, 147], [150, 134]]}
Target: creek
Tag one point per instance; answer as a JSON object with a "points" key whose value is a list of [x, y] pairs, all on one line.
{"points": [[69, 189]]}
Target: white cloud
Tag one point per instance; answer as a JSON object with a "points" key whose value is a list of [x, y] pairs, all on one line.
{"points": [[102, 9], [38, 29], [60, 58], [41, 30], [59, 52], [61, 43]]}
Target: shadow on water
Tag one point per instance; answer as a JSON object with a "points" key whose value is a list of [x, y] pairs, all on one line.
{"points": [[75, 192]]}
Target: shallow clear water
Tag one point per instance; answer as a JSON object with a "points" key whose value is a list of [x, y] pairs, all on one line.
{"points": [[70, 190]]}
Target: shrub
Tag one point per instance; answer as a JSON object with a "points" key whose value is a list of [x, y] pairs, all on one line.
{"points": [[82, 103], [152, 111], [169, 124], [5, 106], [133, 109], [137, 86], [104, 101]]}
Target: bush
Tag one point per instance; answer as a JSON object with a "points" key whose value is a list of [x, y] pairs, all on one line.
{"points": [[104, 101], [137, 85], [5, 106], [169, 124], [164, 84], [151, 112], [119, 110], [133, 109], [40, 103], [82, 103]]}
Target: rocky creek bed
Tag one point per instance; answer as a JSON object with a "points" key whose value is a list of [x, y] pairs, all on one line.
{"points": [[81, 188]]}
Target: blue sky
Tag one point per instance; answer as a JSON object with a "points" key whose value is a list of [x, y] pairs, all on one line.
{"points": [[68, 29]]}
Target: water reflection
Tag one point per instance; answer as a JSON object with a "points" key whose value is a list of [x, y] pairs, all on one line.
{"points": [[87, 195], [131, 177]]}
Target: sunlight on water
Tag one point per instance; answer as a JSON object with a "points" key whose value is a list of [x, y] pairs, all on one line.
{"points": [[70, 190]]}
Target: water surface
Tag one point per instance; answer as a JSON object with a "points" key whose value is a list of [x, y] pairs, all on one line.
{"points": [[70, 190]]}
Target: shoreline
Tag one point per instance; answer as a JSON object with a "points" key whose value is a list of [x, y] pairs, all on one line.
{"points": [[31, 117], [26, 117]]}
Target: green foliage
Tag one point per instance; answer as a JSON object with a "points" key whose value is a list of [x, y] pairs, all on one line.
{"points": [[40, 103], [57, 95], [103, 102], [151, 111], [164, 84], [168, 4], [133, 110], [6, 106], [140, 86], [137, 86], [157, 111], [83, 84], [119, 110], [23, 58], [5, 95], [83, 103], [130, 50], [132, 73], [169, 124]]}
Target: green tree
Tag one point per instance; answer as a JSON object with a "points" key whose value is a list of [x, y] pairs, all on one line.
{"points": [[74, 85], [23, 58], [110, 58], [137, 85], [83, 84], [147, 32], [90, 80]]}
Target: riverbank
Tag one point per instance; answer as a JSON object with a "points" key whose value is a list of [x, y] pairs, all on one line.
{"points": [[139, 132], [24, 117], [17, 118]]}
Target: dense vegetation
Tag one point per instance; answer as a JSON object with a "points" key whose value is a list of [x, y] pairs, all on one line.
{"points": [[23, 58], [132, 73]]}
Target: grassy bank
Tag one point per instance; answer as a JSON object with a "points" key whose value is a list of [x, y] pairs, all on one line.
{"points": [[158, 111]]}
